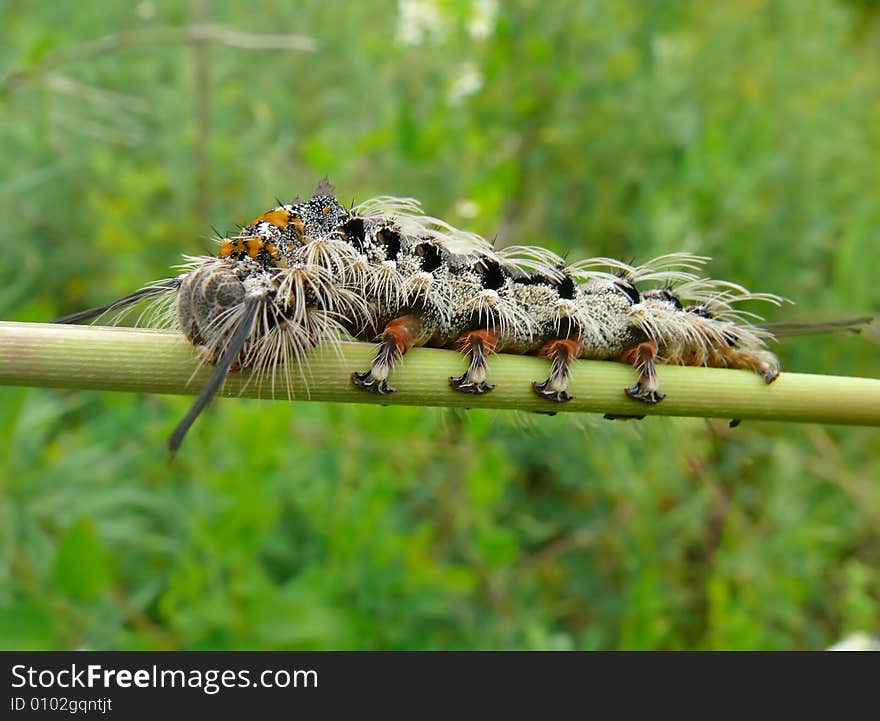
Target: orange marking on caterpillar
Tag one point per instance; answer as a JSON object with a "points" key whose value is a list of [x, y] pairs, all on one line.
{"points": [[254, 246], [238, 247], [278, 217], [231, 247]]}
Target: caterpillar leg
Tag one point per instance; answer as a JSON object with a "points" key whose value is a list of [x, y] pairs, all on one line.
{"points": [[763, 363], [561, 351], [397, 338], [643, 357], [478, 345]]}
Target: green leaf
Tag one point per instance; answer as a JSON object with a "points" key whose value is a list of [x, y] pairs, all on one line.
{"points": [[82, 566], [25, 626]]}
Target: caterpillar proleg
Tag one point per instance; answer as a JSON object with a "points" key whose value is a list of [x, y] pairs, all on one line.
{"points": [[312, 272]]}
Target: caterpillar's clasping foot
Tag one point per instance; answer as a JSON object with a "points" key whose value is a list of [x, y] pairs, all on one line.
{"points": [[464, 384], [642, 357], [561, 351], [542, 390], [397, 338], [651, 397], [367, 382], [770, 375], [478, 345]]}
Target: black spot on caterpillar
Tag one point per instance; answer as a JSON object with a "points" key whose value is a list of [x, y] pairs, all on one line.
{"points": [[312, 272]]}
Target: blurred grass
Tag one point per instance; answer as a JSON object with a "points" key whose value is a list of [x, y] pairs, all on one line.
{"points": [[745, 131]]}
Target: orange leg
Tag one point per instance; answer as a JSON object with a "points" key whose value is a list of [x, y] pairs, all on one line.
{"points": [[734, 358], [398, 337], [478, 345], [561, 351], [642, 357]]}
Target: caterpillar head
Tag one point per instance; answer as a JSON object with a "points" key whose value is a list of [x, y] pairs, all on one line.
{"points": [[318, 217], [209, 298]]}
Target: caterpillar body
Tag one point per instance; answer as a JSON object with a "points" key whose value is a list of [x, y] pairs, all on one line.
{"points": [[313, 272]]}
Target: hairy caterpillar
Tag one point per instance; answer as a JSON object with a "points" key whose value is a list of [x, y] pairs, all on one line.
{"points": [[312, 272]]}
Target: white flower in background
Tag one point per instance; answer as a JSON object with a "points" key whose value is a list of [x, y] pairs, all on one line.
{"points": [[467, 208], [417, 20], [482, 21], [676, 49], [146, 10], [468, 81], [859, 641]]}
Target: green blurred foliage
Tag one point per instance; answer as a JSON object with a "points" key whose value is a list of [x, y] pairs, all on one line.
{"points": [[746, 131]]}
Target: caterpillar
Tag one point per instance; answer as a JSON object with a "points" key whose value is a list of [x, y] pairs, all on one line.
{"points": [[312, 272]]}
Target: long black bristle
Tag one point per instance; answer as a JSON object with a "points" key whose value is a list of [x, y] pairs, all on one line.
{"points": [[171, 284], [215, 382], [848, 325]]}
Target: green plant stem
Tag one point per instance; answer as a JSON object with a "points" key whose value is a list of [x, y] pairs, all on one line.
{"points": [[153, 361]]}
